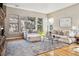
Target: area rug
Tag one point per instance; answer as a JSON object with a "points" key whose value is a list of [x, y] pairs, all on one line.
{"points": [[26, 48]]}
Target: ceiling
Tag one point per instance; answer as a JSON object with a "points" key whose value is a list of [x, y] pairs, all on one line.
{"points": [[40, 7]]}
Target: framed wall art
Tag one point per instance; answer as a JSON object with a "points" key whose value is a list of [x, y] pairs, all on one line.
{"points": [[65, 22]]}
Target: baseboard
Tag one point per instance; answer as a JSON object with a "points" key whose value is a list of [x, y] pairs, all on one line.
{"points": [[14, 38]]}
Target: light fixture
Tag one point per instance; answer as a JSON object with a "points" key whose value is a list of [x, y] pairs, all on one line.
{"points": [[2, 28], [74, 27], [51, 20]]}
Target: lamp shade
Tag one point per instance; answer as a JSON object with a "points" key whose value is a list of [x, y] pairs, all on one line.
{"points": [[51, 20], [74, 27]]}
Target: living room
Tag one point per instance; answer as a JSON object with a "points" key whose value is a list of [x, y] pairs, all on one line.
{"points": [[39, 29]]}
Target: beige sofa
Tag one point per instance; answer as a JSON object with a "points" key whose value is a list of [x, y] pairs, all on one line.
{"points": [[33, 37], [65, 39], [63, 36]]}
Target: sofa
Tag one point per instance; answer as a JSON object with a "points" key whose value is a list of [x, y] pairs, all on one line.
{"points": [[64, 36], [32, 37]]}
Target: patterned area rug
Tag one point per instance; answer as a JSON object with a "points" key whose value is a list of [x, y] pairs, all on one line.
{"points": [[26, 48]]}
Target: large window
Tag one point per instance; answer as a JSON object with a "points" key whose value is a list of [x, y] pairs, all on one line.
{"points": [[13, 23], [40, 24], [21, 24]]}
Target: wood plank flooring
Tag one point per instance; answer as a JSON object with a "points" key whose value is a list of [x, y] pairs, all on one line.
{"points": [[65, 51]]}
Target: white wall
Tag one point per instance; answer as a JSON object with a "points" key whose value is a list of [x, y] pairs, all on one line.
{"points": [[72, 12], [26, 13]]}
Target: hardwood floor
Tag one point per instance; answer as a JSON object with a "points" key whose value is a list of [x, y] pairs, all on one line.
{"points": [[65, 51]]}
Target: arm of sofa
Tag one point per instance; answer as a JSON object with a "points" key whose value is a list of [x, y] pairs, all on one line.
{"points": [[71, 40]]}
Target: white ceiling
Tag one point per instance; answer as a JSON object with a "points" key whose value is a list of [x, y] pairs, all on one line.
{"points": [[40, 7]]}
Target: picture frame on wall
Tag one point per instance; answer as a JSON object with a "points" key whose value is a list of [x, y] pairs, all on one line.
{"points": [[65, 22]]}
